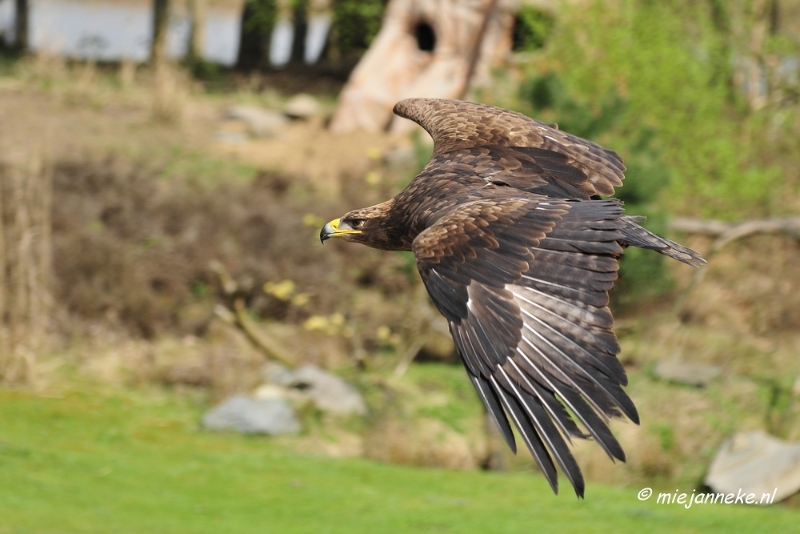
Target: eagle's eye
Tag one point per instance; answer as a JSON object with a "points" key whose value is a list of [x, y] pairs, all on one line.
{"points": [[356, 224]]}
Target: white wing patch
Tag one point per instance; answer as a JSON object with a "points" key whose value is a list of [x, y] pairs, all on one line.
{"points": [[538, 334]]}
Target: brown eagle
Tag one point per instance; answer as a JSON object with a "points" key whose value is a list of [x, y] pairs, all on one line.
{"points": [[518, 251]]}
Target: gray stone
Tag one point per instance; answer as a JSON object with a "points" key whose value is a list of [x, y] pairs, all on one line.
{"points": [[263, 416], [276, 373], [691, 374], [302, 106], [233, 138], [260, 122], [309, 383], [755, 462]]}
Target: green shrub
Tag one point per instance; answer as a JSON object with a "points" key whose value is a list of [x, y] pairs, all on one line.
{"points": [[670, 62], [532, 29]]}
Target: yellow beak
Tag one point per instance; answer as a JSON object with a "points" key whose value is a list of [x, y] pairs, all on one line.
{"points": [[334, 229]]}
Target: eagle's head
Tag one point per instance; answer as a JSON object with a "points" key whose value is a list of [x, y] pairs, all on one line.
{"points": [[371, 226]]}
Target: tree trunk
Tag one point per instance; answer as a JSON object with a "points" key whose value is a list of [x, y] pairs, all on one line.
{"points": [[257, 22], [21, 25], [158, 47], [197, 36], [299, 20]]}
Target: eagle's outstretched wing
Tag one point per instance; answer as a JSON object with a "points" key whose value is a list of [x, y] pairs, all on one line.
{"points": [[523, 282], [508, 147]]}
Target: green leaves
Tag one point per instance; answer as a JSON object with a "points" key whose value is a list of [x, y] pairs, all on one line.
{"points": [[356, 23], [626, 68]]}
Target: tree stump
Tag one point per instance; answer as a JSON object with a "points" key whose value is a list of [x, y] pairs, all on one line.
{"points": [[433, 48]]}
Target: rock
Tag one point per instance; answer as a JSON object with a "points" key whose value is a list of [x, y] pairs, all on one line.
{"points": [[260, 122], [325, 390], [691, 374], [302, 106], [276, 373], [252, 416], [328, 392], [755, 462], [233, 138], [271, 391]]}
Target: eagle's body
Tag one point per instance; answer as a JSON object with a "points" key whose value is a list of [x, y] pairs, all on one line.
{"points": [[518, 252]]}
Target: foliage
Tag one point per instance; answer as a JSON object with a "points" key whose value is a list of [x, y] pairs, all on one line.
{"points": [[356, 23], [532, 29], [262, 15], [670, 62]]}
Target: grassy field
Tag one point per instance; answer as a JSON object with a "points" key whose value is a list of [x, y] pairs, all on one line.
{"points": [[137, 462]]}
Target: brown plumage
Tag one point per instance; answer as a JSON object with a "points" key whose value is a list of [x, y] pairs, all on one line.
{"points": [[518, 251]]}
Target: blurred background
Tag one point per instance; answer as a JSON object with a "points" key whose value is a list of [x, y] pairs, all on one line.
{"points": [[178, 353]]}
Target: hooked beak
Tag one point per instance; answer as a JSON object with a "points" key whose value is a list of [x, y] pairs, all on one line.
{"points": [[334, 229]]}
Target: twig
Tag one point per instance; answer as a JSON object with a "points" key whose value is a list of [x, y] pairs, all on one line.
{"points": [[409, 355]]}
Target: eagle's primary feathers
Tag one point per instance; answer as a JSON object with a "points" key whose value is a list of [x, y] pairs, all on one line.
{"points": [[518, 251]]}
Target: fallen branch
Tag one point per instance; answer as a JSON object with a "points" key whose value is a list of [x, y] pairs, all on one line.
{"points": [[728, 232], [238, 317]]}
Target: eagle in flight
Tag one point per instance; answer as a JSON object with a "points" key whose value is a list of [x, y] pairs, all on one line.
{"points": [[518, 250]]}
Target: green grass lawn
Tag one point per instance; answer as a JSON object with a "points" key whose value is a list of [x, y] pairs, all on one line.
{"points": [[137, 462]]}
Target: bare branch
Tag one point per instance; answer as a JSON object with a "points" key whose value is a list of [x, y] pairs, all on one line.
{"points": [[727, 233]]}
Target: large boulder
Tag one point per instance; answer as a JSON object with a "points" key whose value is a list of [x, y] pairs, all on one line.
{"points": [[252, 416], [260, 122], [755, 462], [309, 383]]}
